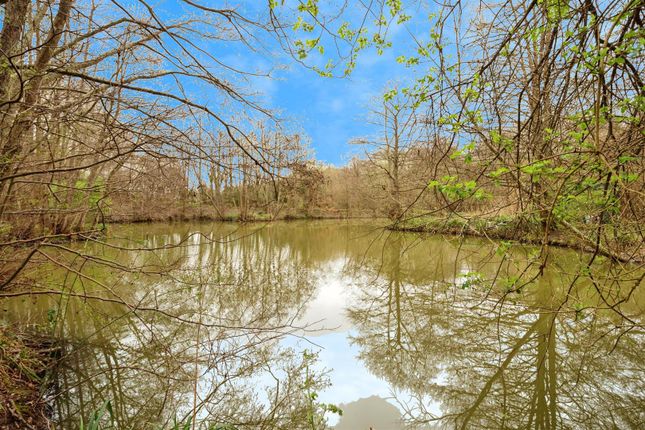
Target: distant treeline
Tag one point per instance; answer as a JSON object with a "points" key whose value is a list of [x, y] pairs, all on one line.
{"points": [[151, 189]]}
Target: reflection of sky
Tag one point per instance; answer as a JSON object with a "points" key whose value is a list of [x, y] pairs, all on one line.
{"points": [[350, 380], [329, 333], [326, 310]]}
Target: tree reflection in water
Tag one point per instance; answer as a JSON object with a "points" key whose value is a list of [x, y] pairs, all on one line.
{"points": [[475, 357], [466, 334], [199, 340]]}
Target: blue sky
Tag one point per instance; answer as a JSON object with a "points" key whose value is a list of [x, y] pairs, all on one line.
{"points": [[330, 111], [333, 110]]}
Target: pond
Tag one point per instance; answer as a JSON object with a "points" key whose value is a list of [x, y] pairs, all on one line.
{"points": [[276, 325]]}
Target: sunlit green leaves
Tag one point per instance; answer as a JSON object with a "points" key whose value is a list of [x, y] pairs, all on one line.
{"points": [[556, 10], [344, 31], [453, 189], [302, 24], [466, 151], [275, 3], [309, 6], [389, 95], [408, 61], [499, 172], [500, 140], [395, 6]]}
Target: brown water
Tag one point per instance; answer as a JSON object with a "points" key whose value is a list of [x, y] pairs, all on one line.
{"points": [[400, 331]]}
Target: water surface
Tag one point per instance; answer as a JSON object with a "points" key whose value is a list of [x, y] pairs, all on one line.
{"points": [[246, 325]]}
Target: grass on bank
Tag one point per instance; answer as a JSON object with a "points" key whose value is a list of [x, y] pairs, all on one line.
{"points": [[530, 230]]}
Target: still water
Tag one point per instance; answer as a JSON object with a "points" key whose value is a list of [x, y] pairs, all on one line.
{"points": [[267, 326]]}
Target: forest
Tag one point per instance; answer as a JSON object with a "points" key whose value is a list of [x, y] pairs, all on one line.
{"points": [[161, 221]]}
